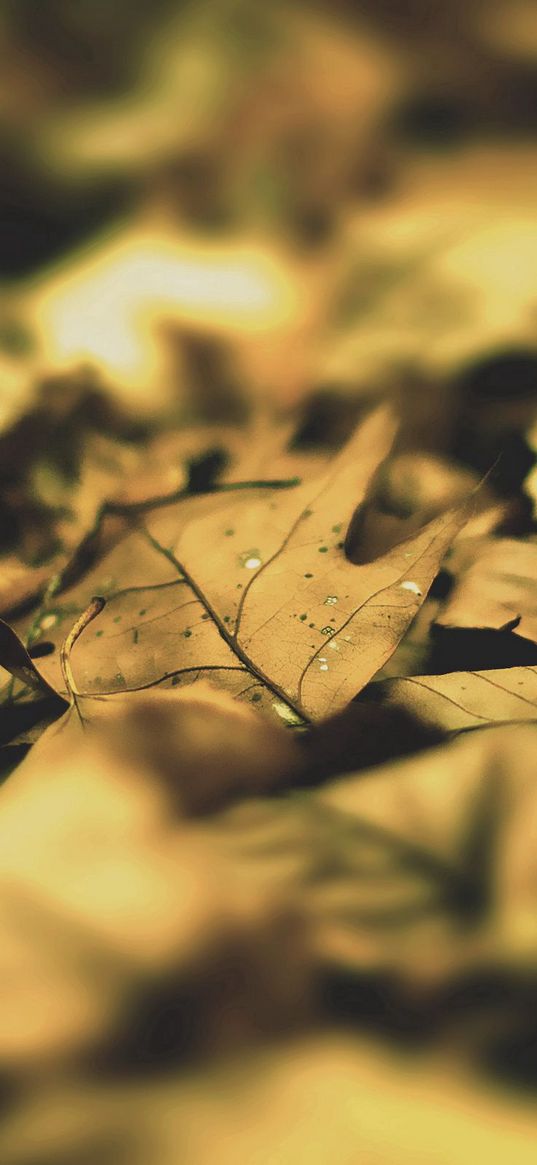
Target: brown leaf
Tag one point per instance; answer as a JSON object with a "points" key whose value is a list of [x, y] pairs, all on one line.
{"points": [[104, 893], [495, 588], [206, 748], [452, 835], [419, 874], [466, 699], [252, 588], [321, 1098], [21, 584], [409, 490], [16, 660]]}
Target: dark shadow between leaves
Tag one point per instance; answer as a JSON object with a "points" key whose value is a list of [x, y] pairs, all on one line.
{"points": [[363, 735], [328, 416], [466, 649], [18, 718], [489, 1016]]}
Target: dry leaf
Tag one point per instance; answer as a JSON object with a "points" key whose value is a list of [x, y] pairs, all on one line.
{"points": [[21, 584], [410, 490], [245, 209], [252, 589], [103, 894], [495, 588], [16, 660], [443, 271], [415, 875], [466, 699], [322, 1098]]}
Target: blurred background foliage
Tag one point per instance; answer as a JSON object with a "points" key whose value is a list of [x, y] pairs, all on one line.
{"points": [[297, 197]]}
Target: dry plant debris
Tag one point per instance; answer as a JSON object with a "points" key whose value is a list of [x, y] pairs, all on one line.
{"points": [[268, 646]]}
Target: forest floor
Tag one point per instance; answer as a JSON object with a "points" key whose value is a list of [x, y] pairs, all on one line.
{"points": [[268, 587]]}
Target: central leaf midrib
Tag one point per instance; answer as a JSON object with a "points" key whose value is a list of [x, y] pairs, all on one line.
{"points": [[226, 635]]}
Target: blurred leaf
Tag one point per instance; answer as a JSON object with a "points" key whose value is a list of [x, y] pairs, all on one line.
{"points": [[324, 1097], [16, 660], [494, 588], [418, 874], [103, 894]]}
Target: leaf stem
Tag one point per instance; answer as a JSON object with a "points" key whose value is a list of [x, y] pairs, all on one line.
{"points": [[87, 616]]}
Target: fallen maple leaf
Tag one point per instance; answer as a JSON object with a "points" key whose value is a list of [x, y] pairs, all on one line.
{"points": [[252, 589]]}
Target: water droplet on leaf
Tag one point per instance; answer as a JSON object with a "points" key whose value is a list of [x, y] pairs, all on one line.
{"points": [[412, 587], [251, 559], [285, 713]]}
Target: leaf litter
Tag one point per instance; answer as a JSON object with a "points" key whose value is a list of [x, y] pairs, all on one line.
{"points": [[185, 641], [265, 906], [254, 589]]}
